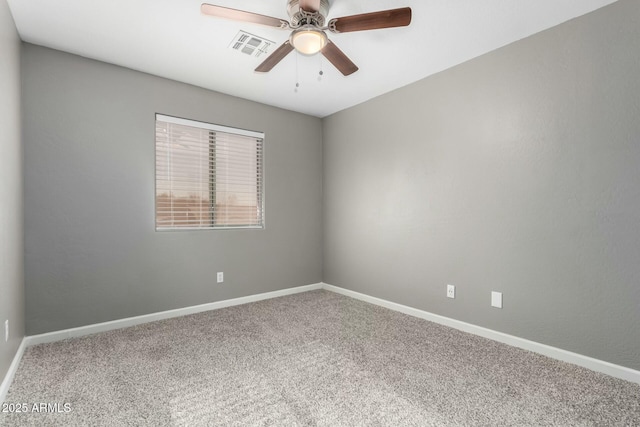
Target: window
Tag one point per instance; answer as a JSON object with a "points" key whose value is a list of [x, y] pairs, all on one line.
{"points": [[207, 176]]}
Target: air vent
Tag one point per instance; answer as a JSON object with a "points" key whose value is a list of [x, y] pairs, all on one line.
{"points": [[249, 44]]}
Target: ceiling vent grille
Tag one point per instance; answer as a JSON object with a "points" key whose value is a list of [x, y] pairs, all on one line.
{"points": [[250, 44]]}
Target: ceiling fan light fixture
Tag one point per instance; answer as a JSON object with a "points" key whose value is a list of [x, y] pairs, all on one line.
{"points": [[308, 40]]}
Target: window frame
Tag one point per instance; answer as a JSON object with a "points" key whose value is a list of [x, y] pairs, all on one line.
{"points": [[212, 127]]}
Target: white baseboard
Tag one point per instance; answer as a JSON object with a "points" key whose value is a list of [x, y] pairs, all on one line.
{"points": [[553, 352], [8, 378], [137, 320], [546, 350]]}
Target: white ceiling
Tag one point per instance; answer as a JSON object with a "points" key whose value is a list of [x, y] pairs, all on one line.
{"points": [[172, 39]]}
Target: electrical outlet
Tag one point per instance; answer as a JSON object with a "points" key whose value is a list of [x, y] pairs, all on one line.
{"points": [[496, 299], [6, 330], [220, 277], [451, 291]]}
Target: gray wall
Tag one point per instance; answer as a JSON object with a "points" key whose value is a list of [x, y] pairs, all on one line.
{"points": [[518, 172], [91, 251], [11, 230]]}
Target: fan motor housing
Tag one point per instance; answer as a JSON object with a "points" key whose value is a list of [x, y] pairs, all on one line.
{"points": [[299, 17]]}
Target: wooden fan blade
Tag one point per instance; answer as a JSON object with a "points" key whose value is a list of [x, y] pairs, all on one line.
{"points": [[339, 59], [309, 5], [275, 57], [372, 21], [241, 15]]}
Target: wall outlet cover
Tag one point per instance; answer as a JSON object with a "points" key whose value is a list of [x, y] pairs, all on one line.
{"points": [[496, 299], [451, 291], [220, 277]]}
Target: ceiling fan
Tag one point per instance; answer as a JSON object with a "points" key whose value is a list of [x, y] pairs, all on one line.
{"points": [[308, 36]]}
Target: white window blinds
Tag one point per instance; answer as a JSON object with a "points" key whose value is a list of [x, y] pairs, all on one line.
{"points": [[207, 176]]}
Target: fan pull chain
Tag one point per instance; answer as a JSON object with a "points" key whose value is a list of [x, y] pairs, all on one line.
{"points": [[320, 73], [297, 84]]}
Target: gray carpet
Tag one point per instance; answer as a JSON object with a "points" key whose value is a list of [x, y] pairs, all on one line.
{"points": [[311, 359]]}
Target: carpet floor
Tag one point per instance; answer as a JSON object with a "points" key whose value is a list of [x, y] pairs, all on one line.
{"points": [[311, 359]]}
